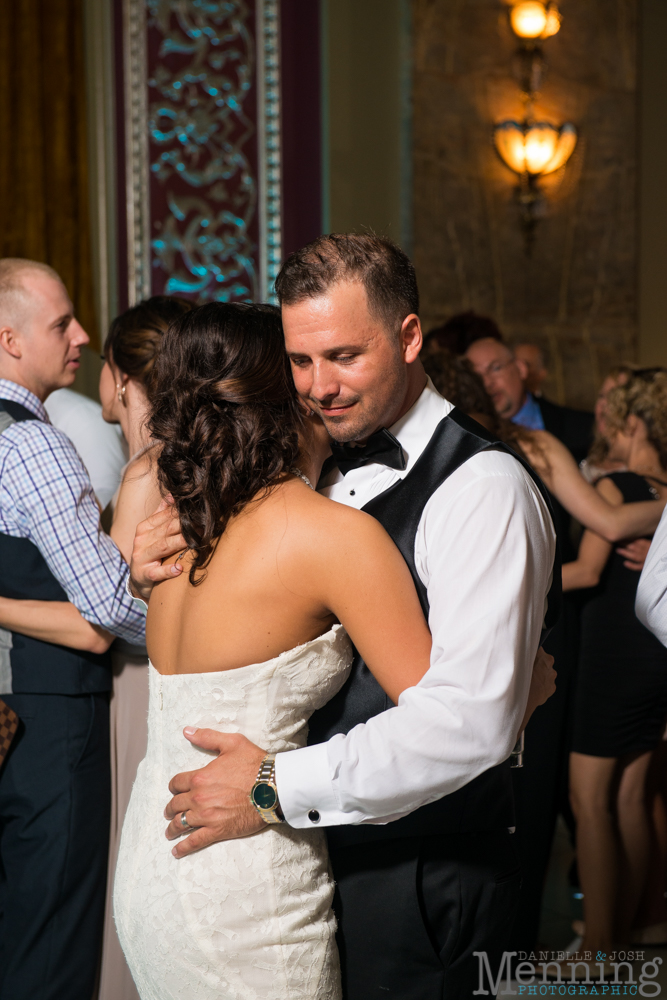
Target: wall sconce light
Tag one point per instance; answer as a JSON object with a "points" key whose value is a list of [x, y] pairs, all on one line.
{"points": [[532, 20], [533, 150]]}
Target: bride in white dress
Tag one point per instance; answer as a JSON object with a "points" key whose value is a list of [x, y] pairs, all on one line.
{"points": [[251, 638]]}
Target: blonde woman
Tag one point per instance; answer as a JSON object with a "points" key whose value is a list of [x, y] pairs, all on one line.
{"points": [[597, 463], [621, 701]]}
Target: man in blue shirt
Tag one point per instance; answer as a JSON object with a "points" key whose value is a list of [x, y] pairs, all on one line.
{"points": [[55, 782], [504, 377]]}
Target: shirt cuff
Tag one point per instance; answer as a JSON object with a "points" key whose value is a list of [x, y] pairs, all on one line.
{"points": [[305, 788], [137, 601]]}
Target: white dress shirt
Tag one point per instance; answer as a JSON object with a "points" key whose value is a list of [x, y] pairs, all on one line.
{"points": [[484, 550], [99, 444], [651, 602]]}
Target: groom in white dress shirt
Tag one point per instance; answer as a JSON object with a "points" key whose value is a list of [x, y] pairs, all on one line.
{"points": [[413, 907]]}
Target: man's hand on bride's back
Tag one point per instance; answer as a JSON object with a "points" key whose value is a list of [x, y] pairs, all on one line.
{"points": [[215, 798], [156, 539]]}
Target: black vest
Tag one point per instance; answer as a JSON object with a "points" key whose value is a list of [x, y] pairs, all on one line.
{"points": [[42, 667], [486, 803]]}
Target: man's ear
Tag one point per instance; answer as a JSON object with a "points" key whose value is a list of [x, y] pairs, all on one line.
{"points": [[411, 338], [524, 371], [10, 342]]}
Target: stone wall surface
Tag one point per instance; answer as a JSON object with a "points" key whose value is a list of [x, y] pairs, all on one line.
{"points": [[575, 294]]}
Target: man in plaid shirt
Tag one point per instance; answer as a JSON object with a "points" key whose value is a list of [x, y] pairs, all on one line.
{"points": [[56, 676]]}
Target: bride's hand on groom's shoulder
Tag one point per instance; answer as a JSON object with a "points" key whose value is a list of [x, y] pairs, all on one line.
{"points": [[215, 798], [156, 539]]}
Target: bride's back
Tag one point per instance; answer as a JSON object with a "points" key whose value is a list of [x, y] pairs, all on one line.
{"points": [[259, 595], [224, 409]]}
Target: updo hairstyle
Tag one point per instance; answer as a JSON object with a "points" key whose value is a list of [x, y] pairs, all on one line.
{"points": [[135, 336], [599, 450], [645, 395], [225, 410]]}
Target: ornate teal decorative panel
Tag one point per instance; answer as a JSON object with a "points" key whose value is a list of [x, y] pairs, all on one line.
{"points": [[202, 90], [203, 148]]}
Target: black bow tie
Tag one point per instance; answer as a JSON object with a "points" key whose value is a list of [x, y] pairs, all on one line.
{"points": [[381, 447]]}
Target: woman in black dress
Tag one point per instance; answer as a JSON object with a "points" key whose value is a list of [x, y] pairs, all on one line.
{"points": [[621, 699]]}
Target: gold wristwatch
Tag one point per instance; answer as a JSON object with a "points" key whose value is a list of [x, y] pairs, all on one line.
{"points": [[264, 794]]}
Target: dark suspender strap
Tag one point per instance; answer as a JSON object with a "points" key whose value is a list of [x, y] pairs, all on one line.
{"points": [[18, 412]]}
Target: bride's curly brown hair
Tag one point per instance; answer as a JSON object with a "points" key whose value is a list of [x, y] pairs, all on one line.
{"points": [[224, 408]]}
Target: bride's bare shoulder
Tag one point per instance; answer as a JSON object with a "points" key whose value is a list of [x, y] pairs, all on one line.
{"points": [[316, 518]]}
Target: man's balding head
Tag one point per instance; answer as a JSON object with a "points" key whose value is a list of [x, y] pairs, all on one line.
{"points": [[15, 273], [40, 340], [503, 374]]}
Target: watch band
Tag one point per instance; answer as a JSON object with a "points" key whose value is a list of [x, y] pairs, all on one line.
{"points": [[267, 770], [264, 794]]}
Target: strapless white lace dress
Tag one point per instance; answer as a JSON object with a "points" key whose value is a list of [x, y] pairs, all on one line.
{"points": [[247, 919]]}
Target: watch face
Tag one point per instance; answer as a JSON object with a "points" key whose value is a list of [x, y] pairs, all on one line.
{"points": [[264, 795]]}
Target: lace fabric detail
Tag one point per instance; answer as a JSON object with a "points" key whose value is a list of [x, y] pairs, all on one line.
{"points": [[248, 919]]}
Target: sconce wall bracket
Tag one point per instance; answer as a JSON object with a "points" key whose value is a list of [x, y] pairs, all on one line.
{"points": [[529, 66]]}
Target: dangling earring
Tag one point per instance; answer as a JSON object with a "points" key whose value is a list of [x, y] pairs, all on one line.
{"points": [[121, 393]]}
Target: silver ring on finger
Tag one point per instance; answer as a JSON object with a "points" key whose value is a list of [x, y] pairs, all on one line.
{"points": [[184, 821]]}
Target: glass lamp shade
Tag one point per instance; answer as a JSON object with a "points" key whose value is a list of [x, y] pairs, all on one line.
{"points": [[535, 149], [553, 22], [531, 19]]}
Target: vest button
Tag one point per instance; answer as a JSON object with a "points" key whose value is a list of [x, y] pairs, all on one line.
{"points": [[314, 816]]}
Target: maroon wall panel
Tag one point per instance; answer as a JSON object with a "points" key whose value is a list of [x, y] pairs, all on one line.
{"points": [[301, 122]]}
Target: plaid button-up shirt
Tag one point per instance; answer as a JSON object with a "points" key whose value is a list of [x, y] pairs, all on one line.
{"points": [[46, 497]]}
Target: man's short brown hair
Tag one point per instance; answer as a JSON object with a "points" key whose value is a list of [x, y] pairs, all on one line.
{"points": [[386, 273]]}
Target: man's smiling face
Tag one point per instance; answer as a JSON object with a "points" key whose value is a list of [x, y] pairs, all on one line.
{"points": [[347, 366]]}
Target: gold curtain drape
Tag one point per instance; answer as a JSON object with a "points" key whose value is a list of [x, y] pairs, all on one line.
{"points": [[44, 208]]}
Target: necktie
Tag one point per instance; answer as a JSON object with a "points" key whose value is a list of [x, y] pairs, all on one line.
{"points": [[381, 447]]}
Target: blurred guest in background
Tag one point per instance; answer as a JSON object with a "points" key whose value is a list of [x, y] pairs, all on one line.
{"points": [[533, 358], [621, 698], [504, 378], [651, 603], [101, 447], [130, 351], [541, 784], [598, 463], [459, 332], [455, 378], [54, 672]]}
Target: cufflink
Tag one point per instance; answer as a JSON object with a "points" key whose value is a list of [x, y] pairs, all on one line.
{"points": [[314, 816]]}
